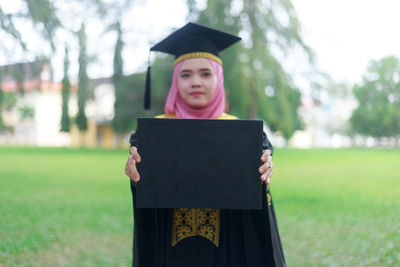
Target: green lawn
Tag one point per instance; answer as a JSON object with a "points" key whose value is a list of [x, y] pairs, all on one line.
{"points": [[63, 207], [339, 207]]}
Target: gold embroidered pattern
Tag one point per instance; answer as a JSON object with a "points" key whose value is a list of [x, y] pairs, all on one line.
{"points": [[198, 54], [269, 199], [222, 116], [268, 196], [196, 222]]}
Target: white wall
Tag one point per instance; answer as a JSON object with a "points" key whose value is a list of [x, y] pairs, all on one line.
{"points": [[48, 120]]}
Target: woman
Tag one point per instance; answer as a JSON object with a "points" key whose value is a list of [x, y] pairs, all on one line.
{"points": [[175, 237]]}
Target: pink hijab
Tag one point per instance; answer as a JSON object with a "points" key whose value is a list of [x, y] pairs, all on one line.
{"points": [[216, 106]]}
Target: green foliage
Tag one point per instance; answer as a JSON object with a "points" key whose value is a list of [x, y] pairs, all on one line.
{"points": [[7, 26], [21, 71], [19, 75], [128, 102], [379, 100], [2, 126], [1, 102], [129, 95], [118, 63], [66, 87], [121, 120], [83, 80], [161, 73], [41, 13], [77, 208], [9, 100], [218, 15], [26, 112], [250, 67], [128, 92]]}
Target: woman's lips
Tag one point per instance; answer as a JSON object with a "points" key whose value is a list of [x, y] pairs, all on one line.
{"points": [[196, 94]]}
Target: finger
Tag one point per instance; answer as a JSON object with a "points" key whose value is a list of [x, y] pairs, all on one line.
{"points": [[266, 175], [136, 157], [263, 168], [131, 170], [135, 154], [263, 177], [268, 181], [134, 172], [269, 162], [127, 167], [265, 155]]}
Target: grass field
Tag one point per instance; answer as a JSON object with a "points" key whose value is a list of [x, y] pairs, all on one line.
{"points": [[64, 207]]}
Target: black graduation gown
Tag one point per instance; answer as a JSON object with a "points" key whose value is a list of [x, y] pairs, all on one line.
{"points": [[248, 238]]}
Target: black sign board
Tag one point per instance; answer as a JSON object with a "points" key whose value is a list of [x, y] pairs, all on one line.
{"points": [[199, 163]]}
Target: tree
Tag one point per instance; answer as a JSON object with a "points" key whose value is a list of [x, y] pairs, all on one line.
{"points": [[256, 83], [118, 63], [83, 80], [129, 102], [379, 99], [66, 87], [119, 122], [130, 94], [1, 102], [41, 13], [161, 73]]}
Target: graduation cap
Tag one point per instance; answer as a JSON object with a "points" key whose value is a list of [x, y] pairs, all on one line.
{"points": [[191, 41]]}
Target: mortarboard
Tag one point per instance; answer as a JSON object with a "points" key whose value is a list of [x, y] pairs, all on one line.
{"points": [[191, 41]]}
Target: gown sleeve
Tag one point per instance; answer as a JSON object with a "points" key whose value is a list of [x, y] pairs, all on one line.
{"points": [[267, 144], [132, 139], [279, 256]]}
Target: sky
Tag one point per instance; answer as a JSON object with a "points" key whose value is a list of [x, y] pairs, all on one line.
{"points": [[345, 34]]}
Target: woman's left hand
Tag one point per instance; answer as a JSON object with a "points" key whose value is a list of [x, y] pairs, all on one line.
{"points": [[266, 169]]}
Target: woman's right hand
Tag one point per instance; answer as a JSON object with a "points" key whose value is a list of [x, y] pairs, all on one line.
{"points": [[130, 166]]}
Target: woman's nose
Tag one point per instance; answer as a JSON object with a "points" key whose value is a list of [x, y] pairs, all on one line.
{"points": [[196, 80]]}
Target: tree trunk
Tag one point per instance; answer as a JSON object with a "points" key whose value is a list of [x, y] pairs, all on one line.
{"points": [[120, 140], [82, 139], [253, 105]]}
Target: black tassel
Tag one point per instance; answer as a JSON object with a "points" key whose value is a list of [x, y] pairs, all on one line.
{"points": [[147, 92]]}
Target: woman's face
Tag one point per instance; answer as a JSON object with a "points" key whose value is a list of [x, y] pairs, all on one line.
{"points": [[196, 82]]}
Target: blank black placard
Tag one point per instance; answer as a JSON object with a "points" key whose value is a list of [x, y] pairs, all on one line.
{"points": [[199, 163]]}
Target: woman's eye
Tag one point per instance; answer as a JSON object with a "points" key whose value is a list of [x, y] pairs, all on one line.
{"points": [[184, 75], [206, 74]]}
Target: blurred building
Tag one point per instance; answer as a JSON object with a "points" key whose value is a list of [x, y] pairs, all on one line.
{"points": [[326, 123], [32, 105], [32, 113]]}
